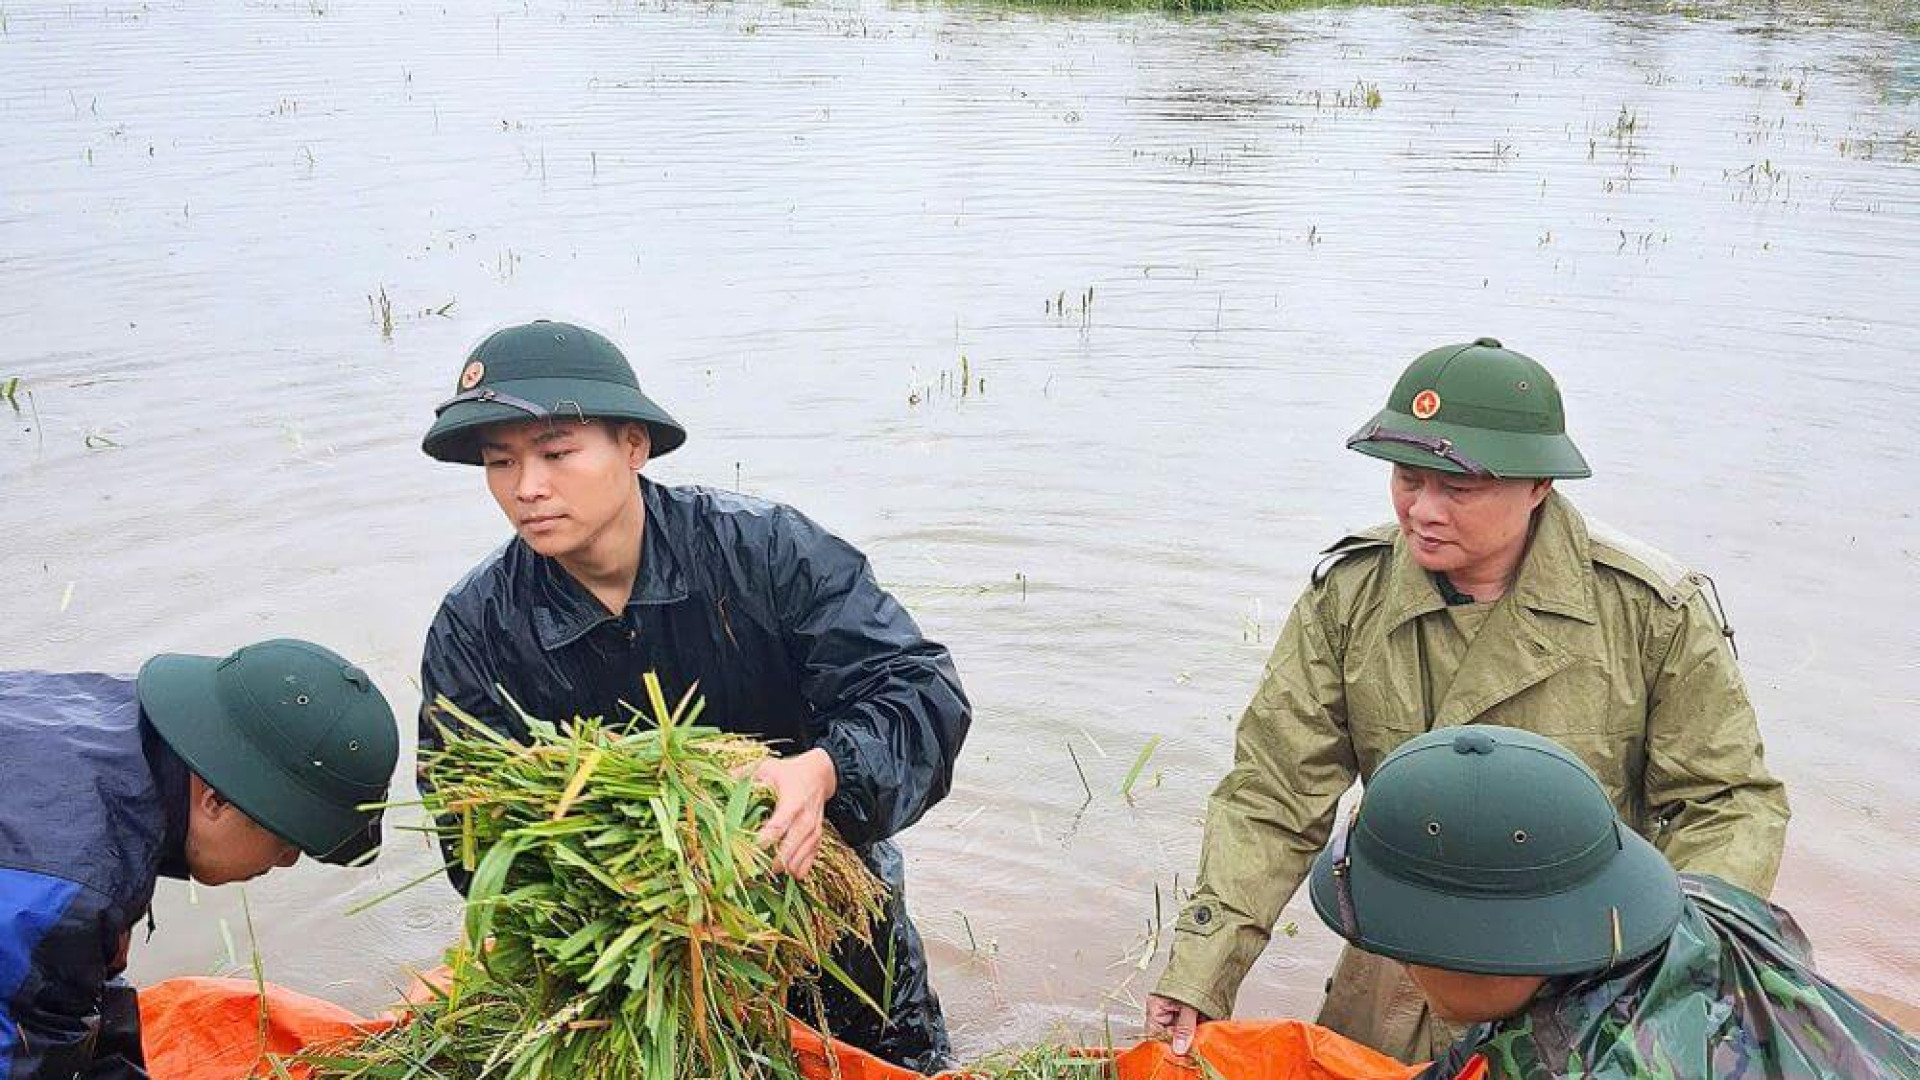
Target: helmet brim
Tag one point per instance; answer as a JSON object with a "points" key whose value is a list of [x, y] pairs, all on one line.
{"points": [[1561, 933], [180, 696], [1505, 454], [454, 435]]}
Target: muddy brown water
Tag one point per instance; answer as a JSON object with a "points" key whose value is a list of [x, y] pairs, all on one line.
{"points": [[1179, 260]]}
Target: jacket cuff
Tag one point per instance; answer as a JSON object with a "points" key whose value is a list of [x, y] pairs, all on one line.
{"points": [[847, 811], [1209, 1005], [1210, 957]]}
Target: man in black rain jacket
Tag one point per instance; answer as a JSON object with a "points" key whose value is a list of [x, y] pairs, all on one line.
{"points": [[779, 624]]}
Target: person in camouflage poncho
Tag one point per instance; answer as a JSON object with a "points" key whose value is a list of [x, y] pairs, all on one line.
{"points": [[1733, 994], [1489, 861]]}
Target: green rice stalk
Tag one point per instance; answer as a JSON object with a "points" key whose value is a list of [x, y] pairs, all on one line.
{"points": [[629, 924], [1042, 1063], [1139, 766]]}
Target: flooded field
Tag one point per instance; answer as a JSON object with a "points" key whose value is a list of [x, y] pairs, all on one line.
{"points": [[1063, 318]]}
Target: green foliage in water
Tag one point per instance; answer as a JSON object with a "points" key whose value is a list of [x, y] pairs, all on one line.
{"points": [[1892, 15], [1209, 7], [1042, 1063]]}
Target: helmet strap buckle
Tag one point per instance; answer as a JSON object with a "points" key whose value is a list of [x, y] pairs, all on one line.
{"points": [[1343, 876]]}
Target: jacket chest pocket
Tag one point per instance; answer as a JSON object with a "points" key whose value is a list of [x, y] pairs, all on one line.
{"points": [[1594, 704], [1383, 711], [1591, 697], [1598, 713]]}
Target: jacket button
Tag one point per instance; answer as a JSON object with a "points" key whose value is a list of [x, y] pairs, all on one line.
{"points": [[1202, 915]]}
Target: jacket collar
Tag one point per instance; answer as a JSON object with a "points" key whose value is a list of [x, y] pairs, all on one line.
{"points": [[170, 781], [1556, 574], [564, 611]]}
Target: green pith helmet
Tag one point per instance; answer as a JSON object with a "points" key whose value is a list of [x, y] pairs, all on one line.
{"points": [[1480, 410], [292, 734], [544, 371], [1495, 851]]}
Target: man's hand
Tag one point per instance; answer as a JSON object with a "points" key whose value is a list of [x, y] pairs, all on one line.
{"points": [[1166, 1016], [801, 786]]}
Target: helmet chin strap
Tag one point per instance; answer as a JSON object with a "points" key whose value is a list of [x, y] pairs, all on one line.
{"points": [[1343, 876], [1441, 448], [533, 409], [489, 394]]}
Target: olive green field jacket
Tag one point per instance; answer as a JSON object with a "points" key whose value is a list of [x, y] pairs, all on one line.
{"points": [[1605, 645]]}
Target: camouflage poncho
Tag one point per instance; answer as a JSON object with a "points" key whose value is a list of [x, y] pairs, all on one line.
{"points": [[1732, 996]]}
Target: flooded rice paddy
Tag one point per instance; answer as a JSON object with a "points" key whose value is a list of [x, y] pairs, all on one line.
{"points": [[1062, 317]]}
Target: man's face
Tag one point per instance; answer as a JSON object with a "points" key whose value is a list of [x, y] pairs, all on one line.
{"points": [[225, 845], [562, 483], [1455, 522], [1460, 998]]}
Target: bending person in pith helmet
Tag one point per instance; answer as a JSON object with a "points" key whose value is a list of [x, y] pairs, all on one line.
{"points": [[1491, 864], [1490, 599], [217, 770], [779, 624]]}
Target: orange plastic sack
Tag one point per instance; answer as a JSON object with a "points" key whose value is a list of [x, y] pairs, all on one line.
{"points": [[211, 1029]]}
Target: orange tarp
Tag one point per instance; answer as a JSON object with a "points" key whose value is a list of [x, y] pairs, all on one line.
{"points": [[1235, 1049], [213, 1029]]}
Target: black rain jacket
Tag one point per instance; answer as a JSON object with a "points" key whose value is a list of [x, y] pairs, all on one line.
{"points": [[791, 640]]}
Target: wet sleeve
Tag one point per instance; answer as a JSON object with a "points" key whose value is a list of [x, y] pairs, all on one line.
{"points": [[1293, 759], [54, 956], [884, 702], [1718, 809], [453, 667], [117, 1053]]}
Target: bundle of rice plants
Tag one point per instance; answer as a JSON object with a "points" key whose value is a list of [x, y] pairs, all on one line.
{"points": [[622, 921]]}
